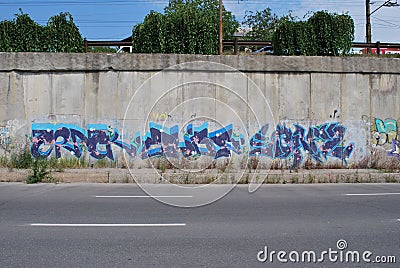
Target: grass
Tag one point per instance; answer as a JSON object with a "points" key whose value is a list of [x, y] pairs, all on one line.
{"points": [[20, 160], [223, 165], [390, 179], [378, 159], [40, 169]]}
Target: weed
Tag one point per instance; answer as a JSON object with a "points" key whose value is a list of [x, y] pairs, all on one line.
{"points": [[55, 165], [161, 163], [378, 159], [318, 165], [335, 165], [210, 180], [20, 160], [127, 178], [309, 163], [124, 164], [271, 180], [101, 163], [162, 166], [390, 179], [73, 162], [223, 166], [3, 161], [275, 164], [253, 163], [245, 179], [39, 171], [212, 165], [311, 178], [233, 179]]}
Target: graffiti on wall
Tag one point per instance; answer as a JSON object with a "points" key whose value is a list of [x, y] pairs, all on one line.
{"points": [[219, 143], [155, 116], [319, 142], [8, 132], [385, 132], [382, 131], [5, 138], [98, 140]]}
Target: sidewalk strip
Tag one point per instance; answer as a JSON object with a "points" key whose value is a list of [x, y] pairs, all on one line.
{"points": [[372, 194], [143, 196], [108, 225]]}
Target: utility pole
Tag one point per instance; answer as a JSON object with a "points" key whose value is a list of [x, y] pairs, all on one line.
{"points": [[220, 27], [368, 26], [368, 14]]}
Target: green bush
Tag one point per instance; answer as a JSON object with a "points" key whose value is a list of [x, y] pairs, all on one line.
{"points": [[39, 171], [323, 34], [22, 34], [186, 27], [21, 160]]}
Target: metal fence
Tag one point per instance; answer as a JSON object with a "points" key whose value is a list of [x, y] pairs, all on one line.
{"points": [[236, 43]]}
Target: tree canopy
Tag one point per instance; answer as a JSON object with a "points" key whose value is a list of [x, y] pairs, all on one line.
{"points": [[321, 35], [191, 27], [260, 24], [22, 34], [186, 27]]}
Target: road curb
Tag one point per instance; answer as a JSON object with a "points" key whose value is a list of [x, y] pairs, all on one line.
{"points": [[303, 176]]}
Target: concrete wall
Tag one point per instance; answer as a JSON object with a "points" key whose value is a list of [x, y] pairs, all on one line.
{"points": [[353, 103]]}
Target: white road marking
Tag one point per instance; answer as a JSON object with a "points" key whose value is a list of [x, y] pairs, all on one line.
{"points": [[143, 196], [108, 225], [372, 194]]}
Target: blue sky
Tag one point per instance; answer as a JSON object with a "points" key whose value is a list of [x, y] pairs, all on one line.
{"points": [[114, 19]]}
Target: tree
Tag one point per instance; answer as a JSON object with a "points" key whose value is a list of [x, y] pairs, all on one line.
{"points": [[322, 34], [186, 27], [22, 34], [27, 34], [343, 33], [290, 38], [150, 34], [7, 36], [102, 50], [261, 24], [63, 35]]}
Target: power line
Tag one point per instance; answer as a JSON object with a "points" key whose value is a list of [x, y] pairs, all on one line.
{"points": [[141, 2], [77, 3], [388, 22]]}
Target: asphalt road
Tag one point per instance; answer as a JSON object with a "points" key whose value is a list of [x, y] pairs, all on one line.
{"points": [[110, 225]]}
